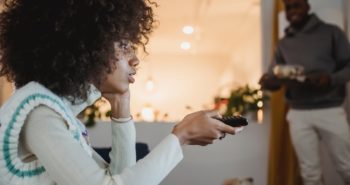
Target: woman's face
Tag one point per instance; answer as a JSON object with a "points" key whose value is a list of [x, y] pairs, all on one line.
{"points": [[125, 68]]}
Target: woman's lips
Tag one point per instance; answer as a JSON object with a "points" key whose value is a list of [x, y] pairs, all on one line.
{"points": [[131, 78]]}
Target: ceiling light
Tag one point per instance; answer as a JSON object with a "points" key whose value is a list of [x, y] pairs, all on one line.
{"points": [[185, 45], [188, 29]]}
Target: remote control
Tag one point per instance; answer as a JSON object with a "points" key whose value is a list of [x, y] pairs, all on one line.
{"points": [[234, 121]]}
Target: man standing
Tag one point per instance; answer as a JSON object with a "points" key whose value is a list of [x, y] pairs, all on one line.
{"points": [[315, 103]]}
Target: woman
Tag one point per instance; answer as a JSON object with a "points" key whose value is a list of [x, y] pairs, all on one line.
{"points": [[62, 56]]}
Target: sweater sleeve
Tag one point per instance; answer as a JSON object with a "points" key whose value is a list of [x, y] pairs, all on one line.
{"points": [[341, 53], [123, 153], [46, 135]]}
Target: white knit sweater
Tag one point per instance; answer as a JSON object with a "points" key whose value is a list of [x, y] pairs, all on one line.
{"points": [[40, 126]]}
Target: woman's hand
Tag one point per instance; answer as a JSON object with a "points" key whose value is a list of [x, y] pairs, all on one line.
{"points": [[120, 104], [200, 128]]}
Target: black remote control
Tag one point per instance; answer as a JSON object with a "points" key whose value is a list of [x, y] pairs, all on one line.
{"points": [[233, 121]]}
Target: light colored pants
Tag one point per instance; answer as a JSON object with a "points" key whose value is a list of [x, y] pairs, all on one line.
{"points": [[307, 128]]}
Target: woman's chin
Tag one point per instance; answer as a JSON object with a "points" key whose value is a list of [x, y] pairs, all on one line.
{"points": [[118, 90], [122, 90]]}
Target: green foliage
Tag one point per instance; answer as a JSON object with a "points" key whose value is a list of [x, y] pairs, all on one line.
{"points": [[93, 112], [245, 99]]}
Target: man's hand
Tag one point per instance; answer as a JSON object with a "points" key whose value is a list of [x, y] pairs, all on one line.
{"points": [[319, 80], [270, 82]]}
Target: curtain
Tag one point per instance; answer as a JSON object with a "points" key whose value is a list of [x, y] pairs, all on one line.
{"points": [[283, 166]]}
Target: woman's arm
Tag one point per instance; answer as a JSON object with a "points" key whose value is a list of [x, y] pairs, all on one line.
{"points": [[123, 153], [46, 135]]}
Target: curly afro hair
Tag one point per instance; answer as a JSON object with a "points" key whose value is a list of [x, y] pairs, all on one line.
{"points": [[68, 44]]}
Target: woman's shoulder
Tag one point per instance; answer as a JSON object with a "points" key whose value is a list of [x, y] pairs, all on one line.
{"points": [[41, 122], [42, 115]]}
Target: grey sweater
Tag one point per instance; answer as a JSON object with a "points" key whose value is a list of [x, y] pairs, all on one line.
{"points": [[318, 47]]}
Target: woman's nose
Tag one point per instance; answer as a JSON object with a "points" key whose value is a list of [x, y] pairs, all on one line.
{"points": [[134, 62]]}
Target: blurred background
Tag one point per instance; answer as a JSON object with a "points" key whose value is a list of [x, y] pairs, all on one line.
{"points": [[201, 49], [203, 53]]}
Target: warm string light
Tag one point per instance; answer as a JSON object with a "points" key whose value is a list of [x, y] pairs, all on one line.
{"points": [[147, 114], [188, 30], [260, 116], [185, 45], [150, 85], [260, 112]]}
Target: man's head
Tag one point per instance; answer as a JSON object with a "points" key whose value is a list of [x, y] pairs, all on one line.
{"points": [[297, 11]]}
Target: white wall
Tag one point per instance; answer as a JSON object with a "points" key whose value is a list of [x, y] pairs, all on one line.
{"points": [[183, 80], [246, 56], [245, 65], [189, 79], [267, 8], [329, 11]]}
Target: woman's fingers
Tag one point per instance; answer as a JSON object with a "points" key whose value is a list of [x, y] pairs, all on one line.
{"points": [[223, 127], [222, 136], [226, 128], [212, 113], [230, 130], [239, 129], [202, 142], [201, 128]]}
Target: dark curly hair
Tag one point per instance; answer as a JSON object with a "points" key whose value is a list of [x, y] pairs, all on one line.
{"points": [[68, 44]]}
